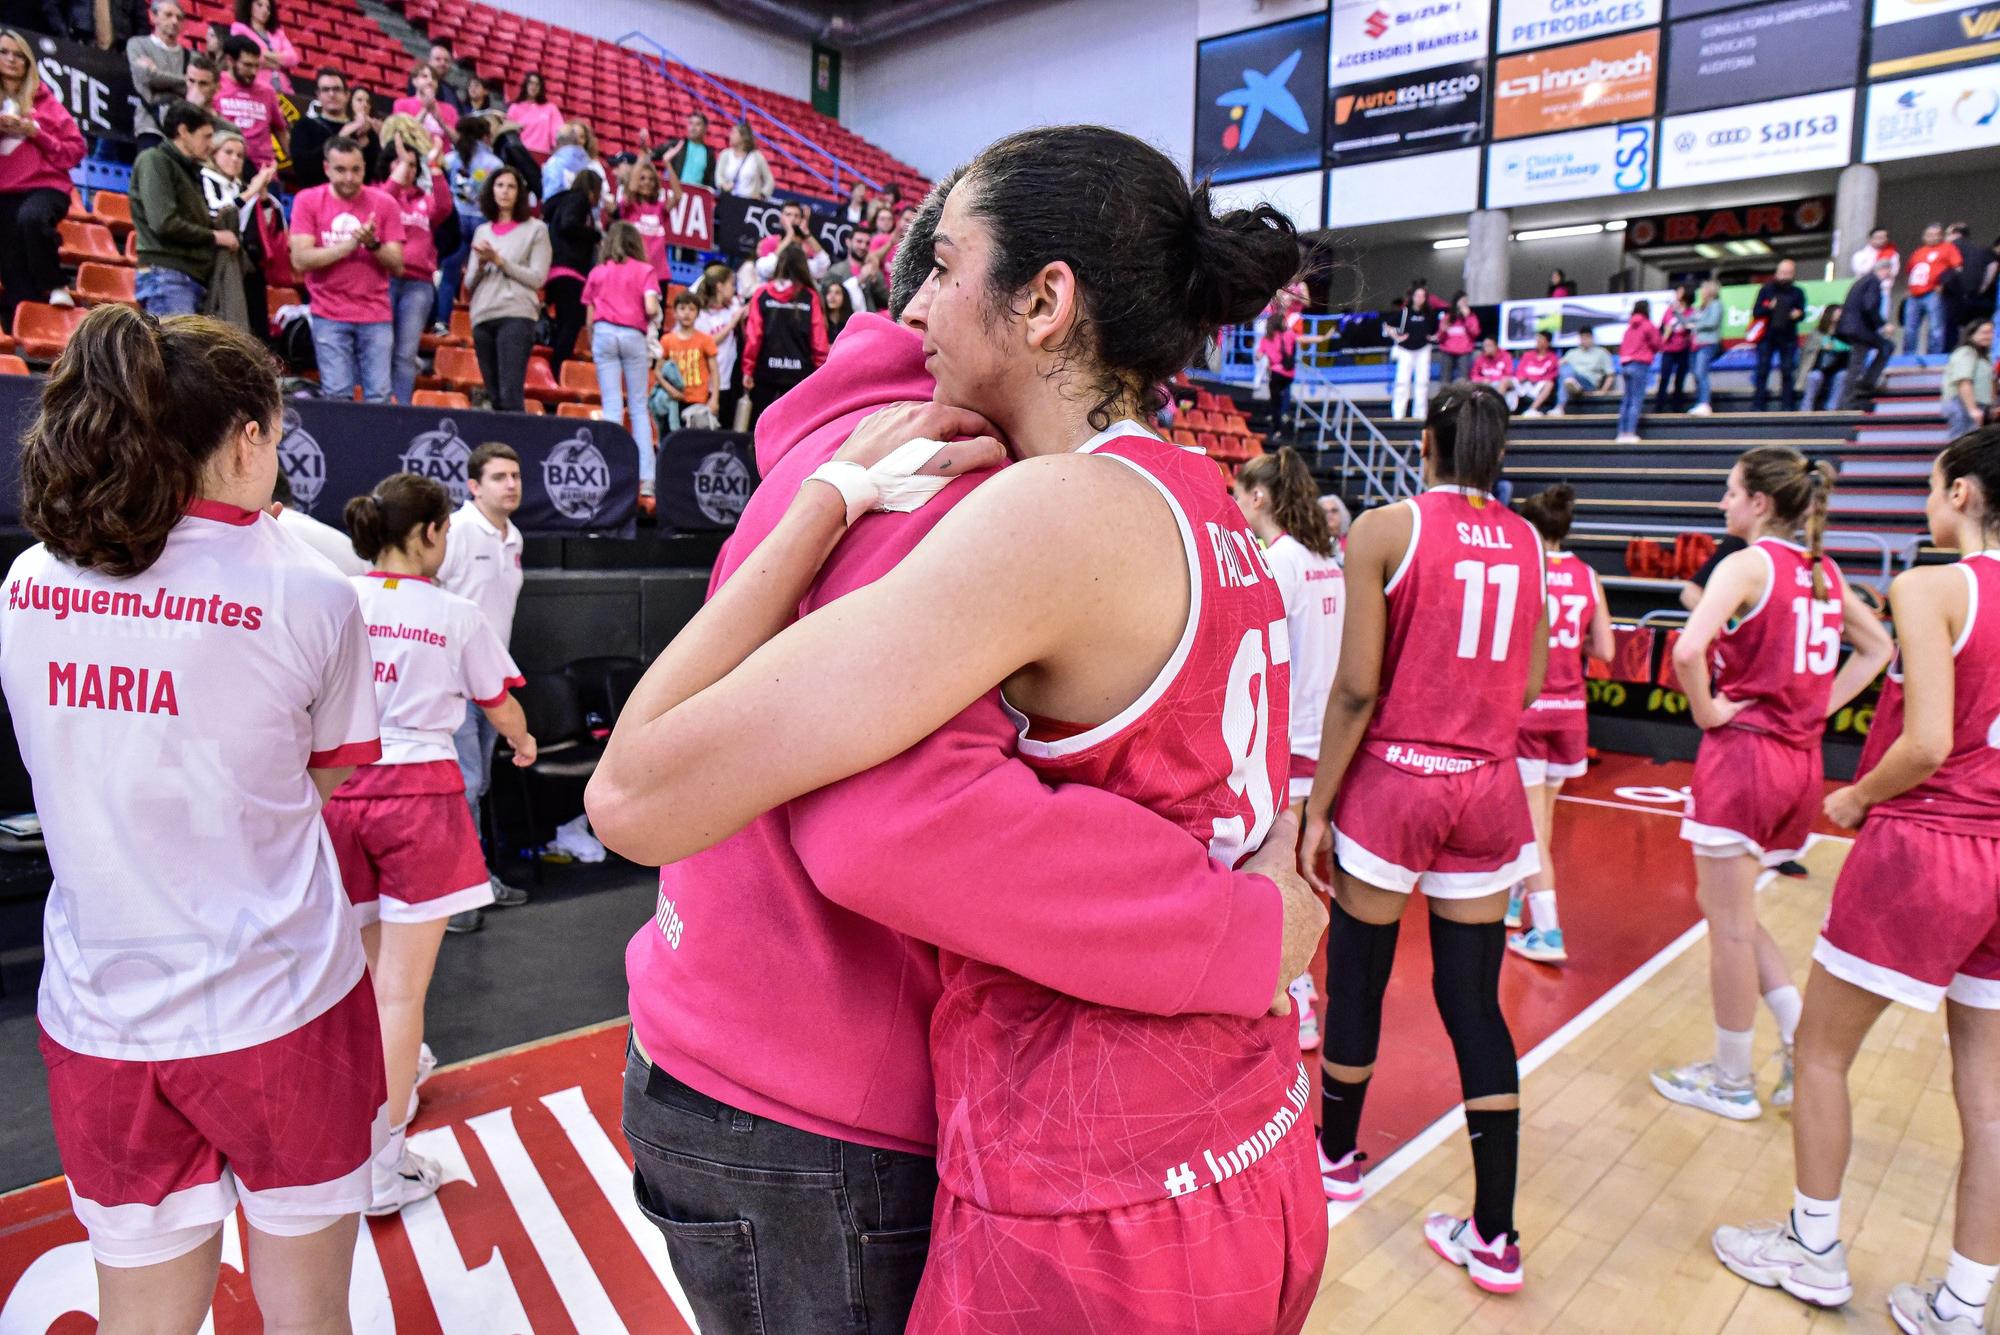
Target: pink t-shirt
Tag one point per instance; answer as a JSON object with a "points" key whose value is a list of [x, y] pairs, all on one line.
{"points": [[651, 220], [1492, 369], [540, 123], [253, 110], [442, 120], [354, 290], [1536, 365], [617, 292], [421, 210]]}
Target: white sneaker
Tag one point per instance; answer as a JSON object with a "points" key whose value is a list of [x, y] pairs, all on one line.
{"points": [[1769, 1254], [61, 298], [1514, 897], [1701, 1085], [1303, 992], [1915, 1312], [1558, 411], [1781, 1096], [426, 1062], [1494, 1266], [1700, 410], [413, 1178], [1538, 945], [1532, 412], [1627, 438]]}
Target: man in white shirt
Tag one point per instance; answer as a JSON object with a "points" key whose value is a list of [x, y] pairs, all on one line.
{"points": [[793, 229], [324, 539], [482, 562]]}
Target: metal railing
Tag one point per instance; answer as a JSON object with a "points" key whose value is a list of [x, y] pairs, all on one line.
{"points": [[1388, 471], [1834, 539], [743, 109]]}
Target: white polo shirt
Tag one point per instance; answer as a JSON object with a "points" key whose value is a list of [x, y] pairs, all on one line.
{"points": [[433, 651], [168, 720], [1314, 590], [325, 539], [481, 565]]}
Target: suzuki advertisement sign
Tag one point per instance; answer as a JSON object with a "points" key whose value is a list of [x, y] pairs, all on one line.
{"points": [[1416, 113], [1933, 113], [1607, 160], [1374, 39], [1911, 36], [1258, 102], [1797, 134], [1775, 50], [1590, 83], [1526, 24]]}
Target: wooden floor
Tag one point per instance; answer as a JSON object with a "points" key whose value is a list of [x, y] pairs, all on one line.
{"points": [[1620, 1189]]}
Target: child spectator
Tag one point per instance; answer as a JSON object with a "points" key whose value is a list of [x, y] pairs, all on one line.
{"points": [[645, 207], [1458, 339], [418, 187], [437, 116], [786, 338], [573, 242], [722, 314], [693, 354], [1636, 352]]}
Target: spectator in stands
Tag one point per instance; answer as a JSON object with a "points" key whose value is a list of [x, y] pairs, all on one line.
{"points": [[510, 262], [692, 354], [540, 119], [417, 184], [784, 340], [1952, 291], [1636, 353], [248, 103], [467, 168], [347, 242], [1705, 335], [1982, 280], [258, 20], [204, 78], [857, 205], [328, 541], [1924, 306], [576, 151], [1458, 339], [477, 99], [177, 240], [883, 220], [794, 229], [1879, 247], [158, 63], [741, 170], [722, 313], [39, 143], [1491, 366], [1864, 323], [1826, 355], [861, 274], [1676, 350], [1559, 284], [688, 159], [1781, 305], [442, 64], [1411, 332], [232, 207], [1966, 398], [838, 303], [212, 42], [426, 105], [361, 106], [1586, 369], [330, 114], [573, 243], [645, 206], [1536, 372], [623, 299]]}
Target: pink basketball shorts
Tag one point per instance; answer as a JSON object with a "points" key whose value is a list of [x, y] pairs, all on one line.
{"points": [[405, 856], [1554, 744], [1752, 794], [1453, 836], [1916, 916]]}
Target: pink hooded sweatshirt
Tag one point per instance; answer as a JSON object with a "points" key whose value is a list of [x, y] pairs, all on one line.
{"points": [[955, 844]]}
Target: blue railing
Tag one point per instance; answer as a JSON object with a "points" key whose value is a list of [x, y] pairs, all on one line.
{"points": [[742, 111]]}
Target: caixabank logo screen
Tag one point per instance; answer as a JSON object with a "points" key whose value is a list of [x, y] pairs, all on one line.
{"points": [[1260, 101]]}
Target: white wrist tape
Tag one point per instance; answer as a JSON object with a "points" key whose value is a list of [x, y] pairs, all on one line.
{"points": [[898, 482]]}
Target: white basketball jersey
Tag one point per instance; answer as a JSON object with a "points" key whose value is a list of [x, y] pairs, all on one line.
{"points": [[1314, 589]]}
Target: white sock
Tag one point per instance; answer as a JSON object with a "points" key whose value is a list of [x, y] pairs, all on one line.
{"points": [[1732, 1052], [1785, 1004], [1968, 1287], [1542, 904], [1815, 1223]]}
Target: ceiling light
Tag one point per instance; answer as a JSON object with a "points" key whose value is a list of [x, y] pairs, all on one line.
{"points": [[1617, 226], [1452, 243], [1708, 252], [1552, 233]]}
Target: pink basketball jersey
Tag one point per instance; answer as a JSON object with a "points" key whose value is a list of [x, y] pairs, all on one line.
{"points": [[1462, 608], [1048, 1104], [1572, 599], [1779, 658], [1964, 794]]}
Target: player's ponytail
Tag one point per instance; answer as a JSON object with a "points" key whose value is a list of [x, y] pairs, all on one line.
{"points": [[129, 415], [1551, 510], [1294, 497], [1467, 425], [386, 517], [1800, 489], [1976, 455]]}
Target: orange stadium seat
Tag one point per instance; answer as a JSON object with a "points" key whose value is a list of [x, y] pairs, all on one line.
{"points": [[113, 210], [85, 241], [439, 398], [100, 284], [43, 331], [459, 368], [585, 410], [12, 365], [580, 378], [542, 386], [458, 333]]}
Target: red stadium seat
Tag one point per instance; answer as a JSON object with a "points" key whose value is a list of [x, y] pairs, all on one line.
{"points": [[12, 365], [535, 409], [43, 331], [459, 333], [458, 368], [542, 386], [102, 284], [581, 379], [82, 242], [439, 398], [589, 411], [113, 210]]}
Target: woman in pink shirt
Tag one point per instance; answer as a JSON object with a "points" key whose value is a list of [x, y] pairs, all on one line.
{"points": [[39, 143], [1535, 371], [440, 118], [258, 20], [540, 119], [1494, 367], [621, 298], [645, 204], [1458, 339], [1636, 352], [423, 196], [1676, 350]]}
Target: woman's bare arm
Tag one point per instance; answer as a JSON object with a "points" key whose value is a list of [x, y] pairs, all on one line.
{"points": [[1930, 606]]}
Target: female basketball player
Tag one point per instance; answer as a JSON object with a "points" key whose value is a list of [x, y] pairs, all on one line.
{"points": [[1280, 502], [1555, 732], [1108, 587], [408, 852], [1915, 917], [1445, 645], [187, 682], [1772, 618]]}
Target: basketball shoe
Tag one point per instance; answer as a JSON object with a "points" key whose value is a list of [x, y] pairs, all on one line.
{"points": [[1702, 1085], [1494, 1266], [1915, 1311], [1770, 1254], [1538, 945], [1342, 1180], [1303, 992]]}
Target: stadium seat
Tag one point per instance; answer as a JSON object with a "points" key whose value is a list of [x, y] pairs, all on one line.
{"points": [[588, 411], [581, 379], [439, 398], [113, 210], [277, 298], [82, 242], [458, 368], [534, 408], [12, 365], [99, 284], [43, 331], [458, 335], [542, 386]]}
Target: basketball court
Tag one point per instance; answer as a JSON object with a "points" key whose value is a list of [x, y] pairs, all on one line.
{"points": [[536, 1230]]}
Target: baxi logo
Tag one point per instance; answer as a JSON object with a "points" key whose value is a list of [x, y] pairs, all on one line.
{"points": [[303, 460], [1259, 94], [576, 476], [1378, 23], [440, 455]]}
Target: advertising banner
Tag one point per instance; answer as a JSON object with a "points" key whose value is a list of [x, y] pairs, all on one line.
{"points": [[1525, 24], [1374, 39], [93, 86], [1774, 50], [1770, 138], [1605, 315], [1403, 188], [1932, 113], [739, 224], [1687, 9], [1798, 217], [1258, 101], [1932, 36], [1606, 160], [705, 479], [1415, 113], [1567, 87]]}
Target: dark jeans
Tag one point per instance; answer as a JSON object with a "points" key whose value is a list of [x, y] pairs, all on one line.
{"points": [[29, 267], [566, 295], [1453, 366], [451, 270], [1864, 382], [1786, 351], [1673, 367], [1830, 365], [502, 347], [773, 1230]]}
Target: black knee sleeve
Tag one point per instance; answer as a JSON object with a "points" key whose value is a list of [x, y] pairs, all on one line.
{"points": [[1465, 979], [1359, 956]]}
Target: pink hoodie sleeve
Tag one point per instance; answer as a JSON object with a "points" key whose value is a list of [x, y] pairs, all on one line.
{"points": [[959, 843]]}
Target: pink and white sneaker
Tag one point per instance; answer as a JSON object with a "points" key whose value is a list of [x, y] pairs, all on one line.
{"points": [[1341, 1180], [1494, 1266]]}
